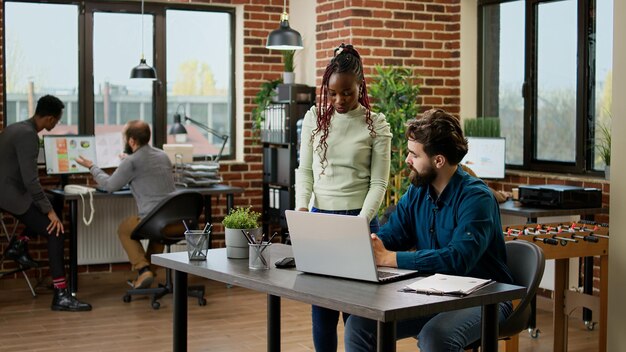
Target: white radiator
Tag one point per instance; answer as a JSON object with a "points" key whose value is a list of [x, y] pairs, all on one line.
{"points": [[99, 243]]}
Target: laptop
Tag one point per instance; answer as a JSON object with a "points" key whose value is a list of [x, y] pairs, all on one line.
{"points": [[337, 245]]}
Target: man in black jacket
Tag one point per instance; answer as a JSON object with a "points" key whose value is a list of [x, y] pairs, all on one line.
{"points": [[23, 196]]}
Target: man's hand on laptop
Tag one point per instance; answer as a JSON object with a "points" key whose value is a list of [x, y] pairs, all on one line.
{"points": [[382, 255], [303, 209]]}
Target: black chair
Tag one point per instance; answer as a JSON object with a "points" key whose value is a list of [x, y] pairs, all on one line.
{"points": [[526, 263], [164, 224]]}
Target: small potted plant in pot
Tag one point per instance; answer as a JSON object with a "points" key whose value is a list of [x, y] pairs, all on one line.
{"points": [[289, 76], [238, 221]]}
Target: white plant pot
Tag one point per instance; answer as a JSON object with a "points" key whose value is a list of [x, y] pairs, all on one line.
{"points": [[236, 243], [607, 172], [289, 77]]}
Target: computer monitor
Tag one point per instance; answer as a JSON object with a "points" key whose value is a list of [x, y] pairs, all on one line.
{"points": [[61, 150], [179, 153], [486, 156]]}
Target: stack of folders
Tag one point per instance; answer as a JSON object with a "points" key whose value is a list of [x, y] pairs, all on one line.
{"points": [[275, 127], [200, 175], [448, 285]]}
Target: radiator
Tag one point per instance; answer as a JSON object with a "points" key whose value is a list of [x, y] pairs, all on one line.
{"points": [[98, 243]]}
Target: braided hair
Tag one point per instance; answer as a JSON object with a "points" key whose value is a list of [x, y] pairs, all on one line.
{"points": [[346, 60]]}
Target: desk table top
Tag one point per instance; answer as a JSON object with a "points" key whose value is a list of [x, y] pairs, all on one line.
{"points": [[511, 207], [213, 190], [380, 302]]}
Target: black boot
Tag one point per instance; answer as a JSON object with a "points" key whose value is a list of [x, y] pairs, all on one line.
{"points": [[18, 251], [63, 300]]}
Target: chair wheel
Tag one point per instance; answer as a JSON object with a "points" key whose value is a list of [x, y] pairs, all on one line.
{"points": [[201, 302], [156, 305], [534, 332], [127, 298]]}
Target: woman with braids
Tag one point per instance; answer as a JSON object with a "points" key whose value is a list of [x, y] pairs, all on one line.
{"points": [[344, 161]]}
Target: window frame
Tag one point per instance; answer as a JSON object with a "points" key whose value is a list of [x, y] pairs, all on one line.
{"points": [[585, 88], [86, 98]]}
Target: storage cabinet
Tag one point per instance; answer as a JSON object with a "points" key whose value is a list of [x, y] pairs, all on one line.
{"points": [[280, 138]]}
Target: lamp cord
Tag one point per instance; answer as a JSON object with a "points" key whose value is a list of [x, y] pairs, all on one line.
{"points": [[142, 57]]}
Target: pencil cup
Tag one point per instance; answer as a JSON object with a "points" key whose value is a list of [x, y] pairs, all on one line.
{"points": [[259, 257], [197, 244]]}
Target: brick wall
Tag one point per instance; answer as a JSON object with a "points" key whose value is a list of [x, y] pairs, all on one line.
{"points": [[425, 35]]}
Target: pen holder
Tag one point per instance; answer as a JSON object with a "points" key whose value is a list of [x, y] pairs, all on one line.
{"points": [[259, 257], [197, 244]]}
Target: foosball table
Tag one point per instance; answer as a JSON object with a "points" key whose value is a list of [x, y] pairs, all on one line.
{"points": [[562, 242]]}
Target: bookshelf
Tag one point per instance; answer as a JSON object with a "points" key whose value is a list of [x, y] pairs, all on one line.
{"points": [[280, 139]]}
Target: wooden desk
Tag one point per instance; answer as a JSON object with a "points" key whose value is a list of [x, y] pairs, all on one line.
{"points": [[381, 302], [73, 199], [531, 214]]}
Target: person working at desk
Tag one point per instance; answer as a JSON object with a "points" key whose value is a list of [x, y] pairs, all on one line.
{"points": [[453, 222], [344, 161], [23, 196], [148, 170]]}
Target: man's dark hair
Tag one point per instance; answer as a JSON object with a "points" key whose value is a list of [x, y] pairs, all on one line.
{"points": [[440, 133], [138, 130], [49, 105]]}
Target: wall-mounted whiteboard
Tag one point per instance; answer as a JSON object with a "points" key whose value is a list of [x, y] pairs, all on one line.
{"points": [[486, 156]]}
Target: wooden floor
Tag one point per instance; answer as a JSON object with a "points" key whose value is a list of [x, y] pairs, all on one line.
{"points": [[233, 320]]}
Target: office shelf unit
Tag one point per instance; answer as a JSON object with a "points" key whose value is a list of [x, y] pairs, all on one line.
{"points": [[280, 137]]}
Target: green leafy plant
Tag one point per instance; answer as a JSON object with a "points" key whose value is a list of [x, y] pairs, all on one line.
{"points": [[262, 99], [394, 92], [604, 143], [482, 127], [241, 218], [288, 62]]}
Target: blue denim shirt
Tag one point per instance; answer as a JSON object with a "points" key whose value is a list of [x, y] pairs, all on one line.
{"points": [[459, 233]]}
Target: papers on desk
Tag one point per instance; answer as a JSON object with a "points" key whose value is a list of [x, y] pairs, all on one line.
{"points": [[440, 284]]}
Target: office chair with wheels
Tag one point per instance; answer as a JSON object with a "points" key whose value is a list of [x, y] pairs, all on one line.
{"points": [[164, 224], [9, 235], [526, 263]]}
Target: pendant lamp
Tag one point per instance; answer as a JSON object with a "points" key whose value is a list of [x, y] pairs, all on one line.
{"points": [[143, 70], [284, 38]]}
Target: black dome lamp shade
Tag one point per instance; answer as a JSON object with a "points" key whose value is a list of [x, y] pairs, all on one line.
{"points": [[143, 70], [284, 38]]}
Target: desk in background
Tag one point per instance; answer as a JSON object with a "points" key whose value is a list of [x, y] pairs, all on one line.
{"points": [[380, 302], [74, 217]]}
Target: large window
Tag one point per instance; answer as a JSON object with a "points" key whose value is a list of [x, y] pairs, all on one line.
{"points": [[84, 52], [545, 72], [41, 61]]}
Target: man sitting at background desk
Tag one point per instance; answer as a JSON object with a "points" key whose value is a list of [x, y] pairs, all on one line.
{"points": [[453, 221], [148, 170], [23, 196]]}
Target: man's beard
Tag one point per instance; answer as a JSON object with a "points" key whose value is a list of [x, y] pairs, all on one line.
{"points": [[422, 179], [127, 149]]}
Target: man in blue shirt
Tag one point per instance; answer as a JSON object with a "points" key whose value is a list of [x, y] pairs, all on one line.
{"points": [[452, 220]]}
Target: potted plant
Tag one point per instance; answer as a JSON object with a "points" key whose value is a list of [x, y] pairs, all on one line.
{"points": [[238, 221], [394, 92], [289, 76], [604, 147], [262, 99]]}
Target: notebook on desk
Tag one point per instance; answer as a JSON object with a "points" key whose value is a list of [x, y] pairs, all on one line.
{"points": [[337, 245]]}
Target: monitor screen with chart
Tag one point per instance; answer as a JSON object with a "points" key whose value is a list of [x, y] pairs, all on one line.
{"points": [[60, 152], [486, 156]]}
